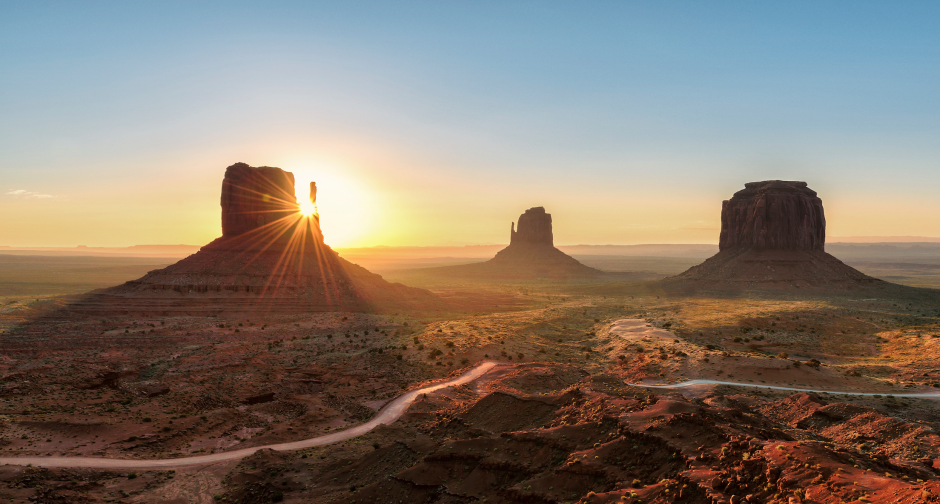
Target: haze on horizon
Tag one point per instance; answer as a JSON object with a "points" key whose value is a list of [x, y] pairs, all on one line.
{"points": [[438, 123]]}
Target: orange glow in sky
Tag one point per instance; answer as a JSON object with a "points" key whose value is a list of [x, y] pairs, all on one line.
{"points": [[345, 205]]}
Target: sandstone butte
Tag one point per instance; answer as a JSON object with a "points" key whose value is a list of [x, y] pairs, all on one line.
{"points": [[269, 259], [773, 234], [531, 254]]}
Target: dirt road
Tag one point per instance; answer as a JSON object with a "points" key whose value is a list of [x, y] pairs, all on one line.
{"points": [[694, 383], [391, 412]]}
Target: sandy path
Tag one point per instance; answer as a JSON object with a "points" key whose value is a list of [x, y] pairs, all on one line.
{"points": [[640, 330], [693, 383], [389, 414]]}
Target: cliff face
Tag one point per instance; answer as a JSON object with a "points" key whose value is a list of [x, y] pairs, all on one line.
{"points": [[773, 215], [254, 197], [535, 226]]}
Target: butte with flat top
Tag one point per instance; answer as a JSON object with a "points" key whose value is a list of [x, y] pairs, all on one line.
{"points": [[269, 259], [773, 235]]}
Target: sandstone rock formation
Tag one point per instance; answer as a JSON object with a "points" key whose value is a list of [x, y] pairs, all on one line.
{"points": [[773, 215], [773, 234], [535, 226], [270, 258], [255, 197], [531, 254]]}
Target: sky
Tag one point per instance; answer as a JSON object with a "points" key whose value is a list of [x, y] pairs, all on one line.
{"points": [[439, 122]]}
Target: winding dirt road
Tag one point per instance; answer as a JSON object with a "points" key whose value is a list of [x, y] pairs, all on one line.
{"points": [[391, 412], [693, 383]]}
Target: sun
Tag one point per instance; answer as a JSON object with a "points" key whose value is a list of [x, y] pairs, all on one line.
{"points": [[307, 208], [345, 205]]}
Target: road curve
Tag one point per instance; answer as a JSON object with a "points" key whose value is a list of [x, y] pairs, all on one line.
{"points": [[391, 412], [693, 383]]}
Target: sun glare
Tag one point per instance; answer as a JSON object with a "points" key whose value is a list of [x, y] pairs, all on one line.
{"points": [[344, 205], [307, 208]]}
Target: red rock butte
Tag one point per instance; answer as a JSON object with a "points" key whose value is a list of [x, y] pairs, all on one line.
{"points": [[269, 259], [531, 254], [773, 234], [776, 215]]}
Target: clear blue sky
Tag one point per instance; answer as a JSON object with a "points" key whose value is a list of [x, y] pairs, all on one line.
{"points": [[443, 121]]}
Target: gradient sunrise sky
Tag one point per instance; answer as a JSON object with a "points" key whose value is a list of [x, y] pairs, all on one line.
{"points": [[439, 122]]}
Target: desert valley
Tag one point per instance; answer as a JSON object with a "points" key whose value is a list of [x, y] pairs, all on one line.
{"points": [[516, 252], [267, 368]]}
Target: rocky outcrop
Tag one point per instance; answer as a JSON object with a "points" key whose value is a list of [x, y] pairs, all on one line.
{"points": [[773, 215], [531, 254], [773, 235], [255, 197], [535, 226], [270, 259]]}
